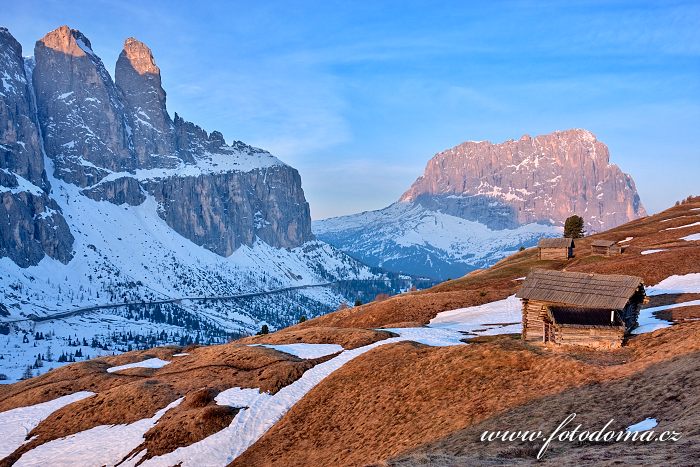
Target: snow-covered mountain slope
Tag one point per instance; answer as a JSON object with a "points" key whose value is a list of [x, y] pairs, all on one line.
{"points": [[407, 237], [123, 228], [127, 255]]}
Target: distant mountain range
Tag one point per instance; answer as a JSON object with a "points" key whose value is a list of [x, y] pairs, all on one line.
{"points": [[479, 202]]}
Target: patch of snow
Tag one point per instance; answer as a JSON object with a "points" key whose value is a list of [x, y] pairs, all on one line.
{"points": [[305, 350], [684, 226], [688, 283], [626, 240], [471, 319], [240, 397], [644, 425], [23, 185], [650, 252], [150, 363], [691, 237], [183, 354], [262, 412], [16, 424], [648, 322], [101, 445]]}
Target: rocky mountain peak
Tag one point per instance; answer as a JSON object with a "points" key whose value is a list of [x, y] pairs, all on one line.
{"points": [[139, 56], [68, 41], [10, 42], [138, 78], [545, 178]]}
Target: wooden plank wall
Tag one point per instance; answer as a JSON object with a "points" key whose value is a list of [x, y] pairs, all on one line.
{"points": [[554, 253], [534, 312], [599, 337]]}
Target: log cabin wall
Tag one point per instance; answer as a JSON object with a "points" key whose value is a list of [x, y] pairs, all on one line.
{"points": [[589, 336], [606, 251], [534, 315], [600, 250], [554, 253]]}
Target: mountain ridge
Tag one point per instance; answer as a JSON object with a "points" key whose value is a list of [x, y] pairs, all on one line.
{"points": [[479, 201]]}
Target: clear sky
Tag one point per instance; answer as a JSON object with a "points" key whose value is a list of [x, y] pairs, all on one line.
{"points": [[358, 95]]}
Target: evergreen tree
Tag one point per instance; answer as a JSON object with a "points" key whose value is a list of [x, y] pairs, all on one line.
{"points": [[27, 373], [573, 227]]}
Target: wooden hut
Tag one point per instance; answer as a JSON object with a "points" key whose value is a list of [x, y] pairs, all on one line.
{"points": [[574, 308], [605, 248], [556, 248]]}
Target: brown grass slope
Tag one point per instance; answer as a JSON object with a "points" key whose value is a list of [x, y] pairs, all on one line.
{"points": [[396, 399], [140, 395], [667, 391]]}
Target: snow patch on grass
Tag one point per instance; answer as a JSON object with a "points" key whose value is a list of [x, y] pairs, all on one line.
{"points": [[150, 363], [491, 315], [101, 445], [644, 425], [16, 424], [691, 237], [684, 226], [650, 252], [304, 350], [688, 283]]}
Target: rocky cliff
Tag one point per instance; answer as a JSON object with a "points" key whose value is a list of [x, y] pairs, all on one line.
{"points": [[31, 224], [116, 141], [542, 179]]}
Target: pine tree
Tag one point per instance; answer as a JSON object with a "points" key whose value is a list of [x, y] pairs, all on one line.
{"points": [[27, 373], [573, 227]]}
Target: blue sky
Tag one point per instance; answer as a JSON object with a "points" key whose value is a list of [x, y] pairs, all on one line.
{"points": [[359, 95]]}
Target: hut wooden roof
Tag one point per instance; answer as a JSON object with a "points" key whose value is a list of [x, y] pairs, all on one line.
{"points": [[563, 242], [603, 243], [580, 289], [584, 316]]}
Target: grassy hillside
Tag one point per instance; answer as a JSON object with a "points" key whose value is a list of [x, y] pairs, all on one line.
{"points": [[405, 403]]}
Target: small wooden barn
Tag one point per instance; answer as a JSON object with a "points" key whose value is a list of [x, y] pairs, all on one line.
{"points": [[574, 308], [556, 248], [605, 248]]}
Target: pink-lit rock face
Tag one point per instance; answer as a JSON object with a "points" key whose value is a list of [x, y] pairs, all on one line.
{"points": [[545, 178], [138, 78], [67, 41], [139, 56]]}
